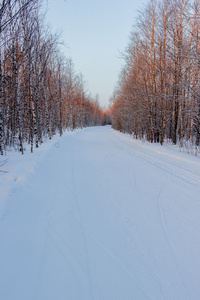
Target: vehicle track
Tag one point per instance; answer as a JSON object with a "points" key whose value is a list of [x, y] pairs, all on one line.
{"points": [[180, 174]]}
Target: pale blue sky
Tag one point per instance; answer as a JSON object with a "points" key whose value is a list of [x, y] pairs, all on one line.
{"points": [[95, 32]]}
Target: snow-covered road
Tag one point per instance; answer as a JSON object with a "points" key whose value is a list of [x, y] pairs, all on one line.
{"points": [[101, 216]]}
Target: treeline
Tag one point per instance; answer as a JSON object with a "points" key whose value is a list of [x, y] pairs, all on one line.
{"points": [[40, 93], [158, 93]]}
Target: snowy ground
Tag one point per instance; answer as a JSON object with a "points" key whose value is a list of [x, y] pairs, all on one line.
{"points": [[98, 215]]}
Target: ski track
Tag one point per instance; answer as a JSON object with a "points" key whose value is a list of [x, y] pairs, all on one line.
{"points": [[73, 160], [102, 217], [172, 170]]}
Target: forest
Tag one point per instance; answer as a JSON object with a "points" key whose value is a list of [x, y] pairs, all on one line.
{"points": [[109, 213], [157, 96], [40, 93]]}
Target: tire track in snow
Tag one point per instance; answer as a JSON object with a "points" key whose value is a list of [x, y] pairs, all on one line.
{"points": [[116, 250], [81, 219], [173, 170], [49, 209], [113, 253], [121, 254], [121, 268], [163, 224], [146, 261], [186, 177], [63, 247]]}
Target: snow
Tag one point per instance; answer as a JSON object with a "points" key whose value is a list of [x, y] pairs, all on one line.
{"points": [[97, 215]]}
